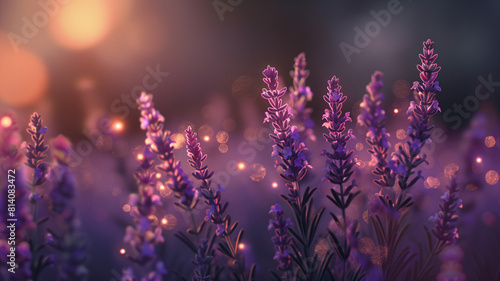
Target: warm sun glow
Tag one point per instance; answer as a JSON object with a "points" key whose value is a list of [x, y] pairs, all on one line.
{"points": [[81, 23], [158, 175], [479, 160], [6, 121], [241, 166], [118, 126], [122, 251], [164, 221], [396, 110], [206, 138], [274, 184], [140, 157], [241, 246], [17, 65]]}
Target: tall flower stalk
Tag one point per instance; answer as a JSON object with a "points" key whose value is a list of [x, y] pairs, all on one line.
{"points": [[282, 240], [373, 118], [215, 214], [35, 155], [299, 96], [289, 153], [339, 165], [159, 141], [445, 230]]}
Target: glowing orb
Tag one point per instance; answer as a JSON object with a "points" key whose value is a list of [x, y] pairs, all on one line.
{"points": [[6, 121], [491, 177]]}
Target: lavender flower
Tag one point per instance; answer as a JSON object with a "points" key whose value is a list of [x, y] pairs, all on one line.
{"points": [[215, 214], [281, 240], [63, 181], [160, 143], [143, 236], [299, 97], [288, 146], [339, 162], [373, 118], [35, 152], [446, 220], [419, 114], [202, 261]]}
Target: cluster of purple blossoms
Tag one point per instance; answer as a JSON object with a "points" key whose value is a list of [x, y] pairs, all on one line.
{"points": [[63, 181], [299, 96], [11, 159], [339, 162], [158, 139], [447, 218], [288, 146], [282, 240], [373, 118], [213, 200], [35, 153], [156, 275], [143, 236], [419, 114]]}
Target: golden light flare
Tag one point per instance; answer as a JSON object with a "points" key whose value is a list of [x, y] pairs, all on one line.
{"points": [[479, 160], [241, 246], [432, 183], [258, 172], [81, 24], [118, 126], [274, 185], [400, 134], [24, 77], [396, 111], [122, 251], [170, 222], [206, 138], [451, 169], [491, 177], [223, 148], [241, 166], [6, 121], [222, 137], [359, 146], [489, 141], [140, 156], [179, 140], [126, 208]]}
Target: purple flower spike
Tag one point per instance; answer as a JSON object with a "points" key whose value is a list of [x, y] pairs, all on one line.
{"points": [[299, 96], [288, 146], [373, 118], [335, 122], [426, 106], [35, 152], [281, 239], [447, 219], [161, 144]]}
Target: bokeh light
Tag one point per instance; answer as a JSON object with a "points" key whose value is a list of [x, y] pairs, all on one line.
{"points": [[491, 177], [118, 126], [359, 146], [479, 160], [471, 187], [396, 111], [23, 75], [126, 208], [179, 140], [432, 183], [171, 222], [122, 251], [258, 172], [223, 148], [81, 24], [222, 137], [241, 246], [6, 121], [400, 134], [490, 141], [241, 166], [451, 169], [274, 185]]}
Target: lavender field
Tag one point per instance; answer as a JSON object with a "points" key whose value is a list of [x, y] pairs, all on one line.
{"points": [[249, 140]]}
